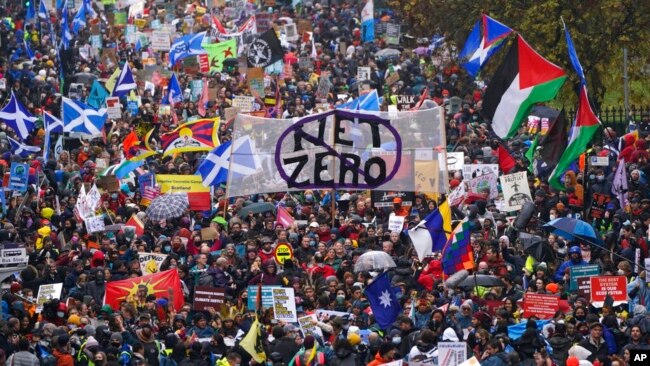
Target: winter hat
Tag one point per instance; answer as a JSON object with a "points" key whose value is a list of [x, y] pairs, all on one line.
{"points": [[309, 342], [639, 310], [572, 361], [74, 319], [92, 342], [449, 335]]}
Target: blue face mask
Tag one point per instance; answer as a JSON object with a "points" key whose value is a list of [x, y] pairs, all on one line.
{"points": [[168, 249], [312, 243]]}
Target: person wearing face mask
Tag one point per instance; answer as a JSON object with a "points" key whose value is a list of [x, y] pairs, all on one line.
{"points": [[97, 288], [575, 259]]}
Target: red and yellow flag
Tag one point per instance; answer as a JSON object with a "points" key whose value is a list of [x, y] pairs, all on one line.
{"points": [[165, 284]]}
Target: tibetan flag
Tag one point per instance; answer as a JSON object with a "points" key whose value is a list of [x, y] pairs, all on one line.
{"points": [[432, 233], [486, 37], [252, 342], [457, 254], [201, 135], [218, 52], [165, 284], [523, 79]]}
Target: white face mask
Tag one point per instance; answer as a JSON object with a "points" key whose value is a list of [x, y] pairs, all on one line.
{"points": [[620, 272], [552, 217]]}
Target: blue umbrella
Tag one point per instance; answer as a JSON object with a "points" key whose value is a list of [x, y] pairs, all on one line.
{"points": [[574, 228]]}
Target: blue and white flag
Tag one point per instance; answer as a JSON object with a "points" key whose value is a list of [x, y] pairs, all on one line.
{"points": [[43, 13], [51, 125], [125, 82], [486, 37], [383, 301], [186, 46], [66, 35], [174, 91], [22, 150], [31, 10], [368, 22], [17, 117], [366, 102], [215, 168], [82, 118], [28, 50], [81, 18]]}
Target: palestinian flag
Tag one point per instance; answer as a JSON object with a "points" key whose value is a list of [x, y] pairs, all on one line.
{"points": [[523, 79], [585, 126]]}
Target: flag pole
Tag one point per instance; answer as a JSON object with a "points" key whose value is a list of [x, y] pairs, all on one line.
{"points": [[228, 180]]}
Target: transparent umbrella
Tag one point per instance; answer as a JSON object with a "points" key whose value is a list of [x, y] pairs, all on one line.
{"points": [[374, 261]]}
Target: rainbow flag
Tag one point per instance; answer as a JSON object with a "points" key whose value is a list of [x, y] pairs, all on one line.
{"points": [[457, 253]]}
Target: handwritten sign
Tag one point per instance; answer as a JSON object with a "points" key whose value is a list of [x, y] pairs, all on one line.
{"points": [[284, 304]]}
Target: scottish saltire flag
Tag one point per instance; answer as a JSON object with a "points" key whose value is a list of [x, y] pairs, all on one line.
{"points": [[174, 91], [486, 37], [97, 96], [368, 22], [81, 18], [43, 13], [66, 35], [383, 301], [366, 102], [82, 118], [125, 82], [186, 46], [51, 125], [28, 50], [431, 234], [216, 166], [22, 150], [17, 117]]}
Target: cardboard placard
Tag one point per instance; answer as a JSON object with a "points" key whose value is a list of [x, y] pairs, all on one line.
{"points": [[244, 103], [230, 112], [209, 297], [303, 25], [109, 183], [515, 190], [160, 41], [451, 353], [584, 287], [392, 78], [541, 306], [256, 80], [209, 233]]}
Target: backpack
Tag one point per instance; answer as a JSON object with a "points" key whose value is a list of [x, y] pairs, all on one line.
{"points": [[320, 359]]}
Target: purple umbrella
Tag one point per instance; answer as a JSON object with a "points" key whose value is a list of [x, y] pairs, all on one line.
{"points": [[420, 51]]}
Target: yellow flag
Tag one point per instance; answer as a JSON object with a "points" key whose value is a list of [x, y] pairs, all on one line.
{"points": [[110, 83], [252, 343], [445, 212]]}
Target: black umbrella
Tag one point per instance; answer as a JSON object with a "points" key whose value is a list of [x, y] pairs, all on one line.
{"points": [[482, 280], [540, 249], [83, 78], [255, 208]]}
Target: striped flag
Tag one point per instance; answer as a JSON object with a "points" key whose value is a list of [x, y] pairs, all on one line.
{"points": [[149, 194]]}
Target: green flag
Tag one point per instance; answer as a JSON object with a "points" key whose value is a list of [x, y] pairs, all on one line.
{"points": [[218, 52], [530, 154]]}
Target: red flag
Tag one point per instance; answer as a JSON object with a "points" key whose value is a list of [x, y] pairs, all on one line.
{"points": [[506, 161], [284, 217], [162, 285], [424, 96], [218, 25], [129, 141], [135, 222]]}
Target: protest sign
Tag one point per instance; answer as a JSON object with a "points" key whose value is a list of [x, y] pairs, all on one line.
{"points": [[603, 286], [425, 181], [267, 296], [304, 25], [515, 190], [291, 32], [406, 102], [541, 306], [209, 297], [455, 160], [113, 108], [599, 204], [485, 182], [160, 41], [256, 80], [382, 199], [282, 253], [306, 326], [476, 170], [395, 223], [244, 104], [95, 224], [150, 262], [363, 73], [392, 33], [46, 293], [324, 86], [584, 287], [284, 305], [451, 353], [18, 177], [581, 271], [180, 183], [321, 314], [305, 63]]}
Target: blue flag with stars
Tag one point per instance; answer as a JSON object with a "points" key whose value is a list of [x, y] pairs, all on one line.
{"points": [[383, 301]]}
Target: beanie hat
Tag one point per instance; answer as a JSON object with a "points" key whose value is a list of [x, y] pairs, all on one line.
{"points": [[354, 339], [74, 319], [309, 342], [572, 361]]}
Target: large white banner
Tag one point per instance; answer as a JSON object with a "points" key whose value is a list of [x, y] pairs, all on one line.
{"points": [[341, 149]]}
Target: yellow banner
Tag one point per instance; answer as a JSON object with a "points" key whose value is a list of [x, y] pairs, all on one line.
{"points": [[180, 183]]}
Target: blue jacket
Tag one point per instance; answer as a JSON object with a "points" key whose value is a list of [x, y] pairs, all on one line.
{"points": [[559, 274]]}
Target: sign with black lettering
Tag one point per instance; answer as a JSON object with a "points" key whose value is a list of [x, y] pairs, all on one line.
{"points": [[382, 199]]}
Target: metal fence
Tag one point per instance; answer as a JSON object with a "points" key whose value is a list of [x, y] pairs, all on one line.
{"points": [[616, 118]]}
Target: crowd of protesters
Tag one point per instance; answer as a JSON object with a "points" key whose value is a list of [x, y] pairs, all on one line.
{"points": [[78, 329]]}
